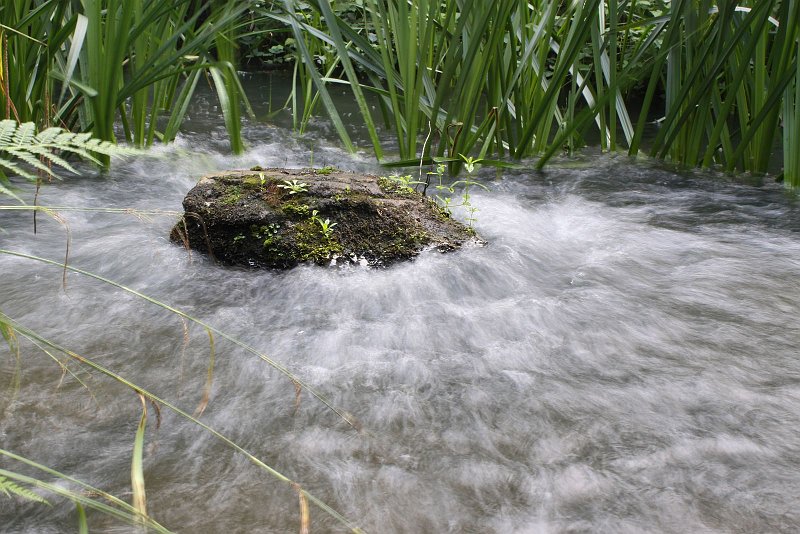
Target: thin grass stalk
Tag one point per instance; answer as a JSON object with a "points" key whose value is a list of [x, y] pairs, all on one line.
{"points": [[348, 418], [672, 30], [225, 81], [791, 129], [311, 97], [597, 49], [379, 18], [333, 23], [610, 74], [137, 467], [109, 505], [578, 32], [181, 106]]}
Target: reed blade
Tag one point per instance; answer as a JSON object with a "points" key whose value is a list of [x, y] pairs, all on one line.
{"points": [[137, 468]]}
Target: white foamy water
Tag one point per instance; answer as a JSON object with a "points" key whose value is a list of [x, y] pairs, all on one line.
{"points": [[621, 357]]}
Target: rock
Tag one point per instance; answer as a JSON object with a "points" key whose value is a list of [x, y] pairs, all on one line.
{"points": [[279, 218]]}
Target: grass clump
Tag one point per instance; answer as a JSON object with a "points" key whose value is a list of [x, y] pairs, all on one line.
{"points": [[508, 79]]}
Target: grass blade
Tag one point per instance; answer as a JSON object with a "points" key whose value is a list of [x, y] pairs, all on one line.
{"points": [[137, 469]]}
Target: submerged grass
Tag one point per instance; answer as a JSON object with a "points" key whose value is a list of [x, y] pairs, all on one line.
{"points": [[144, 394], [82, 496]]}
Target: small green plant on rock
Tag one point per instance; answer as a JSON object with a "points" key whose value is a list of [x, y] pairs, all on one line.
{"points": [[294, 187], [326, 225], [443, 201], [267, 232], [400, 184], [446, 202]]}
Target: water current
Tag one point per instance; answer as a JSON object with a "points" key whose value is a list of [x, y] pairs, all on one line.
{"points": [[621, 357]]}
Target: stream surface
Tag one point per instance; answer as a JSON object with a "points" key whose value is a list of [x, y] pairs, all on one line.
{"points": [[622, 357]]}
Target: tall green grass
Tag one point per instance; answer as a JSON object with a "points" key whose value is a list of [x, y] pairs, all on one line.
{"points": [[532, 79], [93, 65], [727, 70]]}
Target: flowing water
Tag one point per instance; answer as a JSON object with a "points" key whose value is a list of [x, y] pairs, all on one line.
{"points": [[621, 357]]}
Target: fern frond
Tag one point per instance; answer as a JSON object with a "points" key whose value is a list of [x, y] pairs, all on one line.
{"points": [[81, 138], [16, 169], [7, 130], [47, 136], [31, 160], [109, 149], [10, 488], [82, 153], [41, 151], [5, 190], [25, 134], [53, 158]]}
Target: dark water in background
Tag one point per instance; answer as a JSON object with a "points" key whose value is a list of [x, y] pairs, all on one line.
{"points": [[621, 357]]}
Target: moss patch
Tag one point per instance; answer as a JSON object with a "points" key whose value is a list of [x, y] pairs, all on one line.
{"points": [[231, 195]]}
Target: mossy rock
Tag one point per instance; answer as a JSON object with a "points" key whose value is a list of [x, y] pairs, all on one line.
{"points": [[279, 218]]}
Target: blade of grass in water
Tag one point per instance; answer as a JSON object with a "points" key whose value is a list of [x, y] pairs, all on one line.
{"points": [[209, 377], [86, 489], [348, 418], [109, 505], [32, 335], [83, 525], [137, 469]]}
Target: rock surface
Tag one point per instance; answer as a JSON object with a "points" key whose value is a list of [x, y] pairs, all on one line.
{"points": [[279, 218]]}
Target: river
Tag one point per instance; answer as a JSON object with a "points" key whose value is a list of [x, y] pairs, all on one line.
{"points": [[621, 357]]}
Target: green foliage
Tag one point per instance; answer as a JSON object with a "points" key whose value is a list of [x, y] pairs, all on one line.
{"points": [[728, 69], [296, 211], [86, 65], [232, 195], [526, 79], [10, 488], [268, 233], [294, 187], [313, 242], [443, 195], [400, 184], [326, 226], [20, 145]]}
